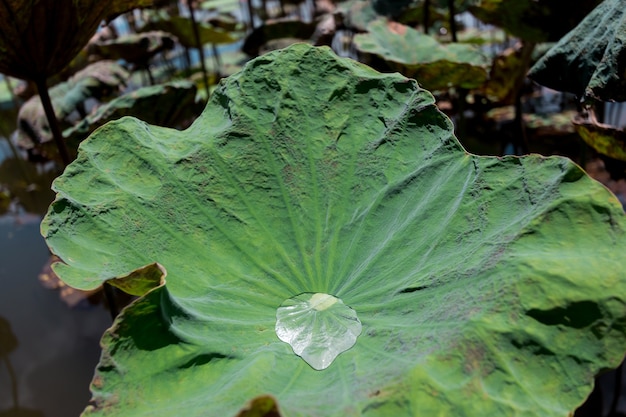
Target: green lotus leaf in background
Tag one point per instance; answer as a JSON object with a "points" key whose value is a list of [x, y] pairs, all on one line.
{"points": [[357, 14], [435, 66], [606, 139], [508, 70], [485, 286], [414, 14], [65, 25], [224, 6], [135, 48], [276, 30], [100, 81], [590, 61], [533, 20], [170, 105], [182, 28]]}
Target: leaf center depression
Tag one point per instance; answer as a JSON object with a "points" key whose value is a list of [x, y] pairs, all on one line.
{"points": [[318, 327]]}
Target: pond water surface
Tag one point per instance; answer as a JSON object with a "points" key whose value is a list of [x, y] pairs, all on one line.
{"points": [[48, 350]]}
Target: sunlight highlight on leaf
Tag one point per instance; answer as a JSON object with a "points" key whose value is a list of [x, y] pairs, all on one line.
{"points": [[318, 327]]}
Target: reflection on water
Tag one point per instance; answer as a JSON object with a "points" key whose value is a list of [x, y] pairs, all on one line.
{"points": [[58, 348], [47, 351], [8, 343]]}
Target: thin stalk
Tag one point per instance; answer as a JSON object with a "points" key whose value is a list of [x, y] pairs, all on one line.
{"points": [[461, 97], [426, 16], [109, 294], [187, 58], [282, 8], [526, 54], [250, 14], [216, 58], [42, 89], [132, 23], [150, 76], [617, 390], [21, 163], [520, 125], [196, 35], [452, 20], [13, 378]]}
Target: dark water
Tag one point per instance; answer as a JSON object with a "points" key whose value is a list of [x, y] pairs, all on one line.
{"points": [[48, 351]]}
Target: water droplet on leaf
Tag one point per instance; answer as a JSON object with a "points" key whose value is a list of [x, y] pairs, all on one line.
{"points": [[318, 327]]}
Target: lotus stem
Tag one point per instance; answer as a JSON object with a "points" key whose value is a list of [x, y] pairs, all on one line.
{"points": [[21, 163], [452, 20], [149, 72], [42, 89], [250, 14], [216, 58], [526, 55], [426, 16], [13, 378], [132, 23], [617, 390], [109, 294], [196, 35], [187, 58]]}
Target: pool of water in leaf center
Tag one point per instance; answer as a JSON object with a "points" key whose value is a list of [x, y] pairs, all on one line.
{"points": [[318, 327]]}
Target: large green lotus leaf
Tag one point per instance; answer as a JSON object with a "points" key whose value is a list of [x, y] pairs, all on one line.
{"points": [[484, 286], [606, 139], [590, 61], [414, 54], [533, 20], [40, 37]]}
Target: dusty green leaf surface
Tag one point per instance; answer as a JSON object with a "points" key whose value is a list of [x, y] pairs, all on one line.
{"points": [[484, 286], [434, 65], [590, 61]]}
